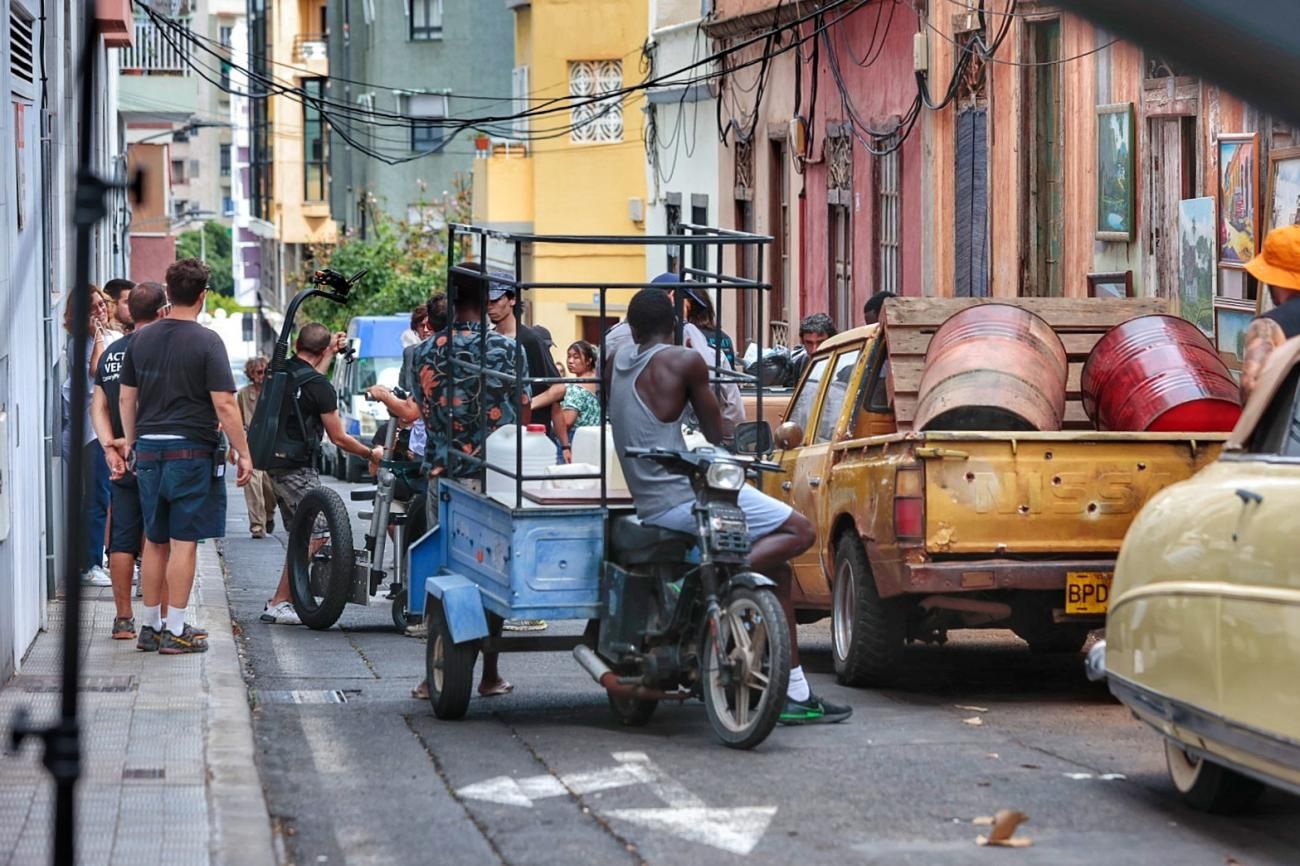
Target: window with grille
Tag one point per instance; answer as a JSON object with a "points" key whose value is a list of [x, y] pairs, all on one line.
{"points": [[227, 35], [21, 55], [225, 160], [672, 223], [427, 130], [426, 20], [602, 119], [315, 145], [839, 224], [888, 222]]}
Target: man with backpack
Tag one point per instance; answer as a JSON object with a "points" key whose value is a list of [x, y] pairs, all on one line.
{"points": [[309, 411]]}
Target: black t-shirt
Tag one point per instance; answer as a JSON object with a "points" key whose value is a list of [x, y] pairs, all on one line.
{"points": [[175, 364], [316, 397], [541, 365], [109, 377]]}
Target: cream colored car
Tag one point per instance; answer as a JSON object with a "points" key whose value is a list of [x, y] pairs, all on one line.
{"points": [[1203, 632]]}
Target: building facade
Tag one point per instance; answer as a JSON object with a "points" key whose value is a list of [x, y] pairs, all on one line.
{"points": [[576, 166], [431, 60], [40, 128]]}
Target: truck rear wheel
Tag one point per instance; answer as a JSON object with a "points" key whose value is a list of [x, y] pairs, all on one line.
{"points": [[867, 632]]}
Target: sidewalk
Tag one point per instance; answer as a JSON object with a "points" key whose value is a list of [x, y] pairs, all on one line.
{"points": [[169, 769]]}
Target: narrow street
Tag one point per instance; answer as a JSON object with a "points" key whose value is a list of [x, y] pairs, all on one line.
{"points": [[357, 772]]}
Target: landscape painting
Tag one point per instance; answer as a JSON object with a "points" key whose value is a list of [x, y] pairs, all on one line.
{"points": [[1196, 263], [1231, 326], [1238, 198], [1283, 208], [1115, 217]]}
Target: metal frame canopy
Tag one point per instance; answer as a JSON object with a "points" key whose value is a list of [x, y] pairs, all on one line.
{"points": [[468, 243]]}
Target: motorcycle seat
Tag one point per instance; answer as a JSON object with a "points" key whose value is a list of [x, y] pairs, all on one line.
{"points": [[634, 543]]}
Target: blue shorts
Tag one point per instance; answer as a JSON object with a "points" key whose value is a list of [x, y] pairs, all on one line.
{"points": [[181, 499], [763, 514], [126, 520]]}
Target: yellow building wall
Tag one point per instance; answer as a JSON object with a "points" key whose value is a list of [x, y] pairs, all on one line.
{"points": [[296, 221], [576, 187]]}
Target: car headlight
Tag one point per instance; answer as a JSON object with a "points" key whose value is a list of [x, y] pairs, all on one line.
{"points": [[726, 476]]}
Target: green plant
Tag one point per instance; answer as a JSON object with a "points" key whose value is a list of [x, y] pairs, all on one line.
{"points": [[213, 245]]}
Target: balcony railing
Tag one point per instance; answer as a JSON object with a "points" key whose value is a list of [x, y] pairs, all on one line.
{"points": [[308, 47], [155, 51]]}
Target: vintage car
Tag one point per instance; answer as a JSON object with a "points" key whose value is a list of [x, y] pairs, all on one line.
{"points": [[1203, 631]]}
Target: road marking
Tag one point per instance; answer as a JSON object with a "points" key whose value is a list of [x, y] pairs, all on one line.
{"points": [[736, 830]]}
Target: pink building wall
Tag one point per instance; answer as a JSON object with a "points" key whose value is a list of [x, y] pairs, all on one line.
{"points": [[151, 255]]}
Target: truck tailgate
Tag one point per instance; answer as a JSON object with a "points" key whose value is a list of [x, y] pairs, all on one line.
{"points": [[1047, 493]]}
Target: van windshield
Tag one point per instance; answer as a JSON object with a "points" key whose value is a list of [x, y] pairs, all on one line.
{"points": [[377, 371]]}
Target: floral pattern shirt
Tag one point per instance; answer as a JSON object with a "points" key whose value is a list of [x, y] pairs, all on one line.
{"points": [[452, 408], [585, 403]]}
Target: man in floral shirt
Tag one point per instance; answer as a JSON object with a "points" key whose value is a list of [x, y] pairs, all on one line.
{"points": [[461, 412]]}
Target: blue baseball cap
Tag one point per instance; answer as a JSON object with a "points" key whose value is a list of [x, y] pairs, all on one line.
{"points": [[670, 281]]}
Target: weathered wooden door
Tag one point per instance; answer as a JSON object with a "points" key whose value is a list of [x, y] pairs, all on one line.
{"points": [[1171, 178]]}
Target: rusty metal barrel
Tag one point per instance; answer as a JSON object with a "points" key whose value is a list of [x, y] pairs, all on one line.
{"points": [[1159, 374], [993, 367]]}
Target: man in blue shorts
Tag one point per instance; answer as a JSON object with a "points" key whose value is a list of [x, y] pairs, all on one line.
{"points": [[652, 383], [176, 388]]}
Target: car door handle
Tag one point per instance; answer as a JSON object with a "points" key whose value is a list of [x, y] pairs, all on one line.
{"points": [[1249, 496], [815, 481], [786, 485]]}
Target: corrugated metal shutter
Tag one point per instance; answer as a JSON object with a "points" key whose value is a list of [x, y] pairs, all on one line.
{"points": [[971, 220]]}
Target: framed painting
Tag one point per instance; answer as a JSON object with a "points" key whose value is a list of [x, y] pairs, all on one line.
{"points": [[1115, 172], [1112, 284], [1230, 327], [1238, 198], [1196, 263], [1283, 201]]}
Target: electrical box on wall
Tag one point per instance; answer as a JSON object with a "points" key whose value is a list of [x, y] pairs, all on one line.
{"points": [[920, 53], [636, 210], [798, 136]]}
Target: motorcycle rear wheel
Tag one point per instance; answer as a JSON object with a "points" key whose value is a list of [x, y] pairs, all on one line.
{"points": [[320, 602], [745, 701]]}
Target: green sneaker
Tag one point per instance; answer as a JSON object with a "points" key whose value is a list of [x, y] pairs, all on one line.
{"points": [[187, 641], [813, 711], [149, 639]]}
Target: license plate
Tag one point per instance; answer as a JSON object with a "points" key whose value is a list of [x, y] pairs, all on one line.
{"points": [[1087, 591]]}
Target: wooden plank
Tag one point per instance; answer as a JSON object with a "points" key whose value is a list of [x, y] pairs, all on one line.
{"points": [[1074, 313], [914, 341]]}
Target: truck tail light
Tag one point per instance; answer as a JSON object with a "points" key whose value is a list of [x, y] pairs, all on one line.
{"points": [[909, 504]]}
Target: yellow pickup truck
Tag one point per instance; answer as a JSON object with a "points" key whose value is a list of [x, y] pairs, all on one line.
{"points": [[919, 533]]}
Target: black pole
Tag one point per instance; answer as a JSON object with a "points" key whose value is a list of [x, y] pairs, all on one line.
{"points": [[62, 740]]}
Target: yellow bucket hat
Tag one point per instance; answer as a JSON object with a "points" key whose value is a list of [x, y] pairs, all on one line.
{"points": [[1278, 263]]}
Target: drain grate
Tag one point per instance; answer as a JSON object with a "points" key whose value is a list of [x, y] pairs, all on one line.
{"points": [[144, 773], [53, 683], [306, 696]]}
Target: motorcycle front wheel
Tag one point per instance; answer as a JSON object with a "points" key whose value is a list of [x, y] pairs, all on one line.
{"points": [[320, 569], [745, 695]]}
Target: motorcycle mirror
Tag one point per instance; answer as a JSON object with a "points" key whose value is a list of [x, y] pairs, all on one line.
{"points": [[753, 437]]}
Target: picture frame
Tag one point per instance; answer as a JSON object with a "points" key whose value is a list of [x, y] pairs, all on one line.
{"points": [[1230, 326], [1110, 284], [1238, 198], [1116, 173], [1196, 265], [1283, 203]]}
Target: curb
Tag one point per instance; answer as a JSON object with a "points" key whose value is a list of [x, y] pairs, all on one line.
{"points": [[241, 822]]}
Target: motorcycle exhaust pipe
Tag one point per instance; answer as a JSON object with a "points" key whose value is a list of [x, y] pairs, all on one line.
{"points": [[608, 679]]}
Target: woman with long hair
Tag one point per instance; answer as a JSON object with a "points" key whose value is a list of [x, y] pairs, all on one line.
{"points": [[95, 477]]}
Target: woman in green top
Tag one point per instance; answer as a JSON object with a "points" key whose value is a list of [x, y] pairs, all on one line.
{"points": [[580, 406]]}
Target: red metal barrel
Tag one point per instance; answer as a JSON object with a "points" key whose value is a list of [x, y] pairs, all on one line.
{"points": [[993, 367], [1159, 374]]}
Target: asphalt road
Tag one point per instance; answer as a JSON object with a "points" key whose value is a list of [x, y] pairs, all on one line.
{"points": [[545, 775]]}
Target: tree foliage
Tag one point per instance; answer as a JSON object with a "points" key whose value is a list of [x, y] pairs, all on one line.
{"points": [[405, 261], [191, 244]]}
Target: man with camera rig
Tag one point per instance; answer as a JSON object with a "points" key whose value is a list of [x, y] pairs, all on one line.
{"points": [[312, 412]]}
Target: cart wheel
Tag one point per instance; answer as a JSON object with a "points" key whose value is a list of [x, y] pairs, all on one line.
{"points": [[448, 666], [399, 612], [320, 574], [744, 699], [633, 712]]}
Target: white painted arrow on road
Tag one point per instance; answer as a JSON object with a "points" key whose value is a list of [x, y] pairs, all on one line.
{"points": [[736, 830]]}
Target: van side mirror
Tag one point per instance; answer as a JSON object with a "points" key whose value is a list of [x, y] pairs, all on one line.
{"points": [[753, 437], [789, 435]]}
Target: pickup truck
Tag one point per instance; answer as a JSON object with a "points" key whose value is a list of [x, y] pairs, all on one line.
{"points": [[920, 532]]}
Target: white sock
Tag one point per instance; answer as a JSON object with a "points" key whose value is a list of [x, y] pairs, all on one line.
{"points": [[176, 620], [798, 689], [152, 617]]}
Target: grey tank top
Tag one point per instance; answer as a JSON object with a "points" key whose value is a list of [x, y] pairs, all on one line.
{"points": [[634, 425]]}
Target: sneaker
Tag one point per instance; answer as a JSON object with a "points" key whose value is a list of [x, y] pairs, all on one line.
{"points": [[188, 641], [123, 628], [149, 639], [524, 625], [280, 614], [258, 532], [96, 576], [813, 711]]}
